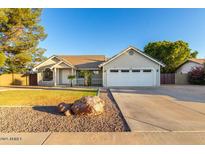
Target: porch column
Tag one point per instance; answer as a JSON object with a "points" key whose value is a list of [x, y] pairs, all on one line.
{"points": [[72, 72], [54, 76]]}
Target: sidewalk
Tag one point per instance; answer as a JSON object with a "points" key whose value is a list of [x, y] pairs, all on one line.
{"points": [[103, 138], [23, 138]]}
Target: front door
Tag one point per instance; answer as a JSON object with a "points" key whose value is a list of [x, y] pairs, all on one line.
{"points": [[63, 76]]}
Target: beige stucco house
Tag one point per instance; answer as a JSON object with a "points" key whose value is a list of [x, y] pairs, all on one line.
{"points": [[130, 67], [181, 73]]}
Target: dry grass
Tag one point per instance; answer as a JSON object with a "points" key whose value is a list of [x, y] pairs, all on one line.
{"points": [[40, 97]]}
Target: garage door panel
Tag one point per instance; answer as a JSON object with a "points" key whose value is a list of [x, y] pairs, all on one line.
{"points": [[130, 78]]}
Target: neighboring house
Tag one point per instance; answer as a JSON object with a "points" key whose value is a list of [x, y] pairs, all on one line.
{"points": [[188, 65], [181, 73], [131, 67]]}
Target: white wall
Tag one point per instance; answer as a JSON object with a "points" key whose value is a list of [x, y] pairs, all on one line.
{"points": [[187, 67], [131, 61]]}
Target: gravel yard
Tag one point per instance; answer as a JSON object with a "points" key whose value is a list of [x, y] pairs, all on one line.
{"points": [[47, 119]]}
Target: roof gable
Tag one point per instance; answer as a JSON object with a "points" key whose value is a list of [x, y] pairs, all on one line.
{"points": [[54, 63], [194, 60], [58, 65], [134, 49]]}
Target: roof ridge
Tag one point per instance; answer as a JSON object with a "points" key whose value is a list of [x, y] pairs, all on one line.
{"points": [[81, 55], [197, 58]]}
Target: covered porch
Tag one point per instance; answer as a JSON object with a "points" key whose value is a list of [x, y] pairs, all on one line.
{"points": [[62, 74], [57, 75]]}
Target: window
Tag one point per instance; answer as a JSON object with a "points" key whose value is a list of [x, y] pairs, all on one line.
{"points": [[124, 71], [47, 74], [136, 70], [113, 71], [147, 70]]}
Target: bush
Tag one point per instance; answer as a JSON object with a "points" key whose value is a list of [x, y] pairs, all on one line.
{"points": [[197, 76]]}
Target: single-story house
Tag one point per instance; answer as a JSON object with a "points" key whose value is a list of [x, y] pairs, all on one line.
{"points": [[189, 64], [130, 67]]}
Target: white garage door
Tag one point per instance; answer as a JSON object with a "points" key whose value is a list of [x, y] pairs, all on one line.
{"points": [[130, 77]]}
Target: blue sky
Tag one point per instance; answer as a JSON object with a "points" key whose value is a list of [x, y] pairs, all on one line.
{"points": [[108, 31]]}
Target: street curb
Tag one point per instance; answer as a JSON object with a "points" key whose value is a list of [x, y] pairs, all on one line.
{"points": [[98, 92]]}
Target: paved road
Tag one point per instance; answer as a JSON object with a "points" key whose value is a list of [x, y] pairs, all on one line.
{"points": [[167, 108]]}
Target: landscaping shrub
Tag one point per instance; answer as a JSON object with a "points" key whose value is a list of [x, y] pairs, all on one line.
{"points": [[197, 76]]}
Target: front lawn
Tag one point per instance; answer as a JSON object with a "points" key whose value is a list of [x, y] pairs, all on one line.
{"points": [[41, 97]]}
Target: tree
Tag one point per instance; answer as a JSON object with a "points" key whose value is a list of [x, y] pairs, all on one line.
{"points": [[20, 34], [71, 78], [194, 54], [36, 58], [87, 77], [172, 54], [17, 63], [2, 59]]}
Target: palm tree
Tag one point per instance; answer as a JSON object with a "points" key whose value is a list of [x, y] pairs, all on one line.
{"points": [[71, 78]]}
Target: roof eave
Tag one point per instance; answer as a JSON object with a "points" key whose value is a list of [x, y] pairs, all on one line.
{"points": [[188, 60], [137, 50], [195, 61], [61, 59]]}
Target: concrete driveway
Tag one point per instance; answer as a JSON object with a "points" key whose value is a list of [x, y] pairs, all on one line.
{"points": [[166, 108]]}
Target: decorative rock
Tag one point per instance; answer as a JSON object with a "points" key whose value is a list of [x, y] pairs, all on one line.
{"points": [[63, 107], [79, 108], [88, 105], [68, 113]]}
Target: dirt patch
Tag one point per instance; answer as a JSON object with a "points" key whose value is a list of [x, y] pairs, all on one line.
{"points": [[47, 119]]}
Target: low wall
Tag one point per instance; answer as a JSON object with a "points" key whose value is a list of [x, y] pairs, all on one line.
{"points": [[14, 79], [18, 79], [181, 78]]}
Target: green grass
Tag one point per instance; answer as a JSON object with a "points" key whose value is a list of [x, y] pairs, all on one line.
{"points": [[40, 97]]}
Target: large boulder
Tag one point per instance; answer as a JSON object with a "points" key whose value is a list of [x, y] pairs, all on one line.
{"points": [[91, 105], [63, 107]]}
